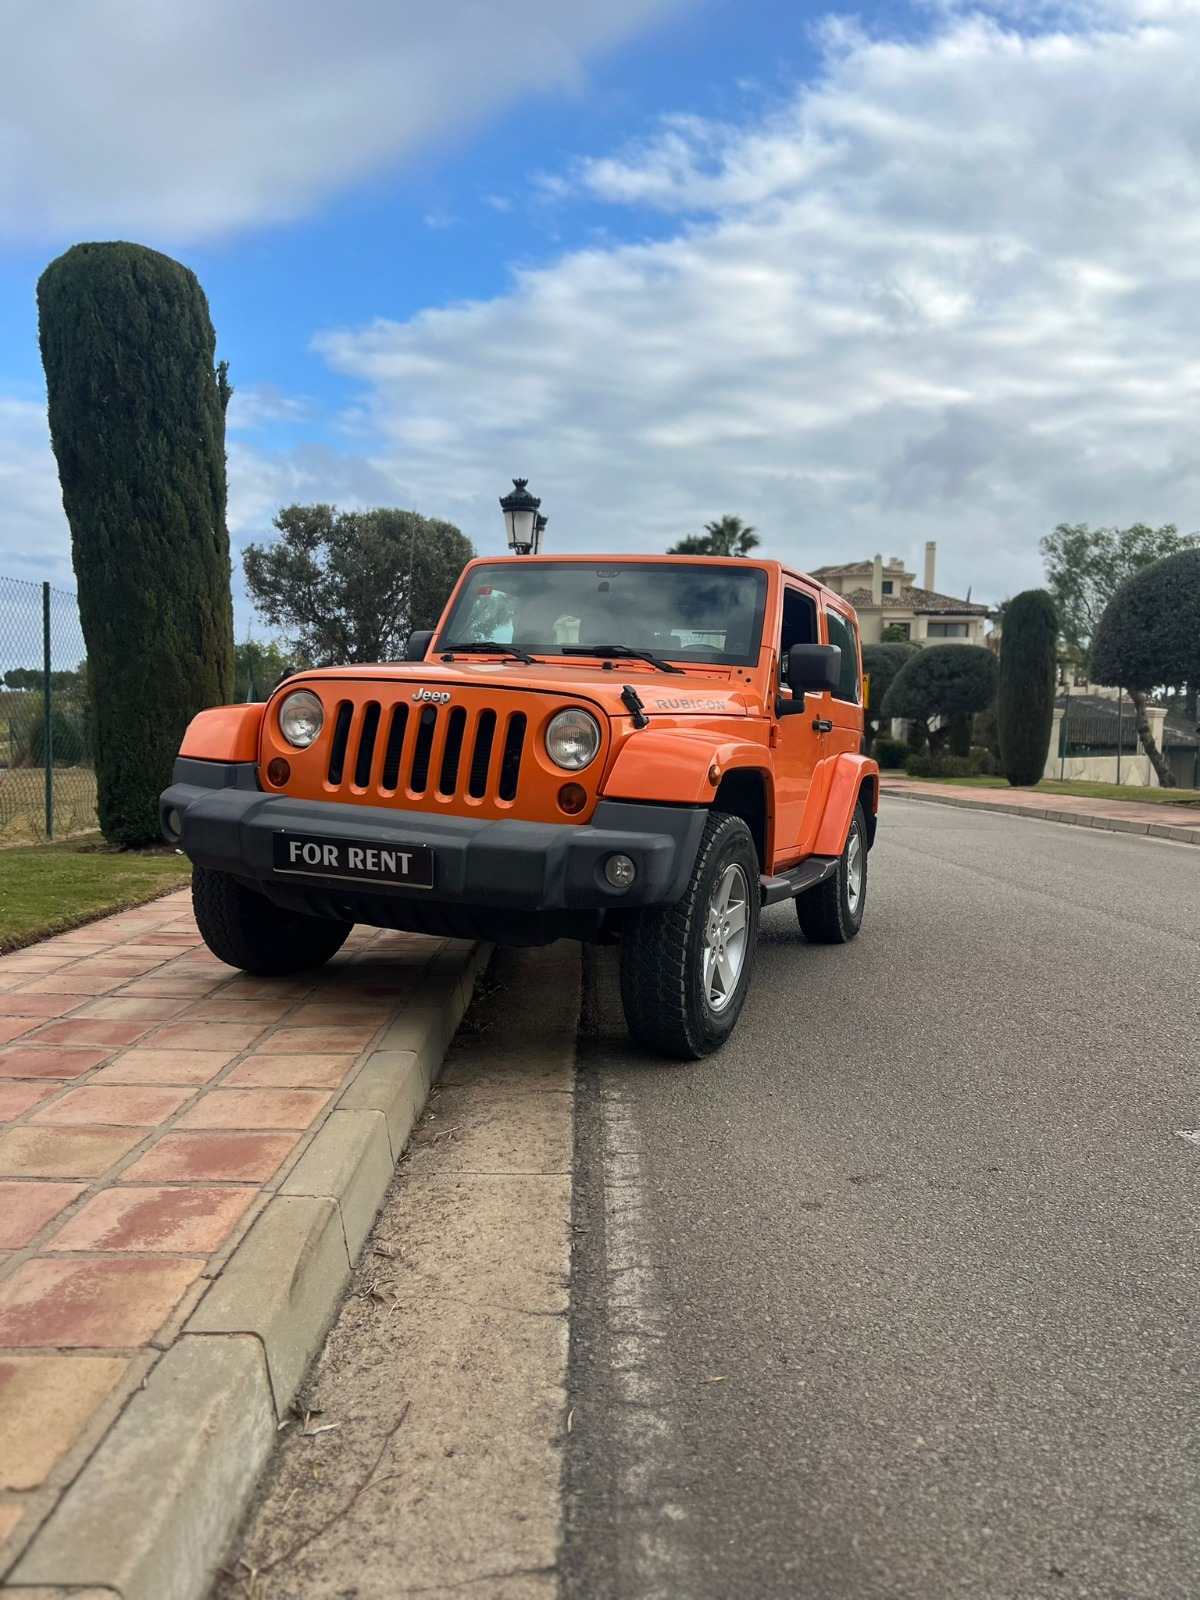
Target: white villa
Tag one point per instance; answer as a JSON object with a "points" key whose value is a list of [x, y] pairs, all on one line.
{"points": [[885, 596]]}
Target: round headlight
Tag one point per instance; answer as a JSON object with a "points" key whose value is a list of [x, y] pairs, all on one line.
{"points": [[300, 718], [573, 740]]}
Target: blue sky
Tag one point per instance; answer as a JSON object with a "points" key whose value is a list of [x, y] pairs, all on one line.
{"points": [[865, 278]]}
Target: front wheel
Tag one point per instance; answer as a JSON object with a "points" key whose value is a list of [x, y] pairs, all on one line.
{"points": [[685, 968], [243, 928], [832, 913]]}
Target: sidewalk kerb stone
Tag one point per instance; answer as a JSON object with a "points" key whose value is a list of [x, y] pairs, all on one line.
{"points": [[283, 1284], [151, 1512], [1078, 819], [392, 1082], [349, 1162]]}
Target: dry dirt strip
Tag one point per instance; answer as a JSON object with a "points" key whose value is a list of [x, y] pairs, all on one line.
{"points": [[156, 1501], [426, 1447]]}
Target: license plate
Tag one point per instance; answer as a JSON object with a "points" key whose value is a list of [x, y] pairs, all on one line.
{"points": [[322, 857]]}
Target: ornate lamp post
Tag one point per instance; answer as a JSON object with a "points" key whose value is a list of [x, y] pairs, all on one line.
{"points": [[521, 520]]}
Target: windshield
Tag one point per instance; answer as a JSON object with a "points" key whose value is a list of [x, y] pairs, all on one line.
{"points": [[682, 613]]}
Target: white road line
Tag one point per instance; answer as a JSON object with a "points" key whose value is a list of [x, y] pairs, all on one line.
{"points": [[655, 1562]]}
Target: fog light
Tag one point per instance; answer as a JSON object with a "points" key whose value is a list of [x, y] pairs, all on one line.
{"points": [[620, 871], [278, 772], [572, 798], [174, 824]]}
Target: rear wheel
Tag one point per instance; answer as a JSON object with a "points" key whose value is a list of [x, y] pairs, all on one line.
{"points": [[243, 928], [832, 913], [685, 968]]}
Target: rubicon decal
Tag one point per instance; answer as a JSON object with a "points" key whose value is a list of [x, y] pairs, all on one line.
{"points": [[692, 705], [433, 696]]}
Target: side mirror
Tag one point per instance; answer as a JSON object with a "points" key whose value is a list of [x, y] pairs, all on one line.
{"points": [[814, 666], [418, 644]]}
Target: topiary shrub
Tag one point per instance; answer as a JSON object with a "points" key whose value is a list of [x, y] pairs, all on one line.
{"points": [[69, 744], [1149, 635], [137, 421], [940, 682], [891, 753], [1028, 673]]}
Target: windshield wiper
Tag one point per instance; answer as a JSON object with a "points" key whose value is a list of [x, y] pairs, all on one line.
{"points": [[622, 650], [489, 647]]}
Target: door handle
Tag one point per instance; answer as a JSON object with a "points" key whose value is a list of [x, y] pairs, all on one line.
{"points": [[821, 725]]}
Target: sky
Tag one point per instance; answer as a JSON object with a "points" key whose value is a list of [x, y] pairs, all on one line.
{"points": [[864, 277]]}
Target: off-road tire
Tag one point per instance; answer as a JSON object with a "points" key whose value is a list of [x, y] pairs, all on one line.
{"points": [[243, 928], [826, 914], [661, 952]]}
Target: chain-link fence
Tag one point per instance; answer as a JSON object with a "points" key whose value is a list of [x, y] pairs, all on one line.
{"points": [[47, 786]]}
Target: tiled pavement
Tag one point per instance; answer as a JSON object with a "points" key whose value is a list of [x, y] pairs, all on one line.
{"points": [[151, 1100], [1162, 821]]}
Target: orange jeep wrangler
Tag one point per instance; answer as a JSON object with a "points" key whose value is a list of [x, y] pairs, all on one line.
{"points": [[645, 749]]}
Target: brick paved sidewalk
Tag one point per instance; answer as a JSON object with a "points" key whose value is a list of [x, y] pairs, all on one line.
{"points": [[151, 1099], [1181, 823]]}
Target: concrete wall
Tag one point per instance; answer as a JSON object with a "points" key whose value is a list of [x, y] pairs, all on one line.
{"points": [[1135, 769]]}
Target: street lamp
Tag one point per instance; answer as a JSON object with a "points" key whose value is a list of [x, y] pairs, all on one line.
{"points": [[539, 529], [522, 525]]}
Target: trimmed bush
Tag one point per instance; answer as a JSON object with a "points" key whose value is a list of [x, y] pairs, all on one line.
{"points": [[1149, 635], [891, 753], [939, 682], [137, 421], [69, 742], [940, 766], [1028, 673]]}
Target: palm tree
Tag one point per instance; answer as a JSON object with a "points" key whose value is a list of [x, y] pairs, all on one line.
{"points": [[728, 536]]}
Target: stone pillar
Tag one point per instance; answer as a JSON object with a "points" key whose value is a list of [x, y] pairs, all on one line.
{"points": [[877, 582], [930, 563]]}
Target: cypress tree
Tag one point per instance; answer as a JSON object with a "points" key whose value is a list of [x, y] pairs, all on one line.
{"points": [[137, 421], [1025, 706]]}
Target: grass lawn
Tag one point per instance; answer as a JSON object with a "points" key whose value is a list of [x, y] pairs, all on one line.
{"points": [[1090, 791], [48, 888]]}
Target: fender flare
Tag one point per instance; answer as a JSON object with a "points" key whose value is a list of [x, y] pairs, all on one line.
{"points": [[850, 773], [226, 733], [673, 765]]}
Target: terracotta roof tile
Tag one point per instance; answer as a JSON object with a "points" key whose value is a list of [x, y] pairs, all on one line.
{"points": [[918, 600]]}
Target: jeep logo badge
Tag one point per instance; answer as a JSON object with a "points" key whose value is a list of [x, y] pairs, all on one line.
{"points": [[431, 695]]}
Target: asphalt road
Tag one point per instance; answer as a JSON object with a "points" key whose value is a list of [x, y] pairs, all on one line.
{"points": [[929, 1221]]}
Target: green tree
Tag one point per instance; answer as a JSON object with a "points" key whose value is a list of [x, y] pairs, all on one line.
{"points": [[1149, 635], [1085, 567], [258, 665], [350, 586], [939, 683], [1028, 674], [35, 678], [881, 662], [727, 536], [137, 421]]}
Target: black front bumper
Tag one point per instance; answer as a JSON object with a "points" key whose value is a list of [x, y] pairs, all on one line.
{"points": [[534, 868]]}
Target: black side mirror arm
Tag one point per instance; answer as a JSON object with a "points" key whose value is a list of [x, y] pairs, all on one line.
{"points": [[792, 707]]}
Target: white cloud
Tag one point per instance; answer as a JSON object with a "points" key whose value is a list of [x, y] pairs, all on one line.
{"points": [[947, 293], [189, 118]]}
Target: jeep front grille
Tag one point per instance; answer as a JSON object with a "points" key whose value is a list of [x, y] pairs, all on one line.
{"points": [[403, 750]]}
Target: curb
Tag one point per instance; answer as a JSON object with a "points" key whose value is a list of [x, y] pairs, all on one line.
{"points": [[1081, 819], [152, 1512]]}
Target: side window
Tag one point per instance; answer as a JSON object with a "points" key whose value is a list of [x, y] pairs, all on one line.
{"points": [[842, 634], [799, 625]]}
